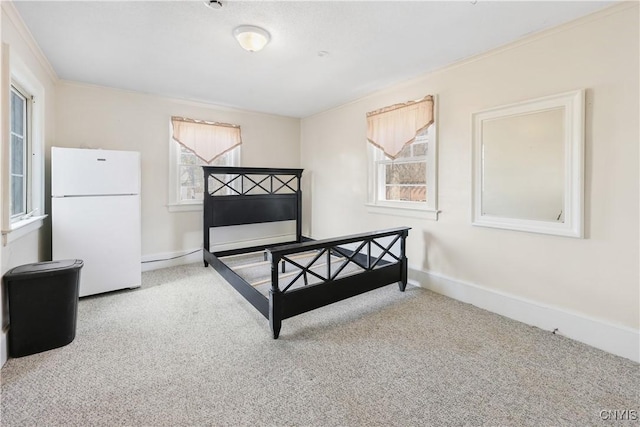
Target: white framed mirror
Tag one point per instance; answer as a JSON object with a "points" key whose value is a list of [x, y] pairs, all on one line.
{"points": [[528, 165]]}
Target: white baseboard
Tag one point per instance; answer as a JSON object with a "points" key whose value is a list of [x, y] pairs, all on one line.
{"points": [[619, 340]]}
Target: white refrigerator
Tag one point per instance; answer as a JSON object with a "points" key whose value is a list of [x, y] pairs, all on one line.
{"points": [[95, 216]]}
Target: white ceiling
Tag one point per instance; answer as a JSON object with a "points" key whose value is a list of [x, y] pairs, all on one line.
{"points": [[183, 49]]}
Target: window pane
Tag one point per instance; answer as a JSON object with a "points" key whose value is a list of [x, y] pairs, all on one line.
{"points": [[17, 155], [406, 173], [17, 195], [406, 152], [17, 113], [191, 178], [188, 158], [191, 182], [419, 149], [18, 150], [406, 193]]}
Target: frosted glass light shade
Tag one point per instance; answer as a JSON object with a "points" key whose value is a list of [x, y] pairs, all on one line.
{"points": [[251, 38]]}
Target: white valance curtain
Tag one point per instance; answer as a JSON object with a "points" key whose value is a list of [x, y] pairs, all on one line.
{"points": [[392, 128], [207, 140]]}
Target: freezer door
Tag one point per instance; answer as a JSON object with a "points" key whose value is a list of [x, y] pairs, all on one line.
{"points": [[104, 232], [82, 172]]}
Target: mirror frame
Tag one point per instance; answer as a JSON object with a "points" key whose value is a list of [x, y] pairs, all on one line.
{"points": [[574, 124]]}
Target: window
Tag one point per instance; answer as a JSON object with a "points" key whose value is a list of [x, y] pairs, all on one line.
{"points": [[19, 153], [190, 179], [403, 182], [405, 177], [23, 165], [199, 140]]}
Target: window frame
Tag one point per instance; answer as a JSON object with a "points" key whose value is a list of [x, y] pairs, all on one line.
{"points": [[17, 73], [381, 167], [26, 154], [176, 204], [376, 182]]}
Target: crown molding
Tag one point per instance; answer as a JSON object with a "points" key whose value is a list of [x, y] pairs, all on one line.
{"points": [[624, 6], [9, 9]]}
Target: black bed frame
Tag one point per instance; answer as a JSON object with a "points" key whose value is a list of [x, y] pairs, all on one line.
{"points": [[237, 196]]}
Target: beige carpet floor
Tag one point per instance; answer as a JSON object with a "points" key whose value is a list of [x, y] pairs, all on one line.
{"points": [[186, 349]]}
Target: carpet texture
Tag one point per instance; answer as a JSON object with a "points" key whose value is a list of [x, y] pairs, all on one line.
{"points": [[187, 349]]}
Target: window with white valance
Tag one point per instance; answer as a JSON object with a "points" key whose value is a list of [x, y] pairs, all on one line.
{"points": [[207, 140], [393, 128], [402, 157], [195, 143]]}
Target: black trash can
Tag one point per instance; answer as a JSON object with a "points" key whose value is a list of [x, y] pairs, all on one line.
{"points": [[43, 305]]}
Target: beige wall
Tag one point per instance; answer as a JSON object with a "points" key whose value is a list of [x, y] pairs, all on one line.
{"points": [[596, 276], [92, 117], [34, 246], [95, 117]]}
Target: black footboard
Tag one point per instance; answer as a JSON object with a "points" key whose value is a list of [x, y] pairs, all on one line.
{"points": [[375, 259]]}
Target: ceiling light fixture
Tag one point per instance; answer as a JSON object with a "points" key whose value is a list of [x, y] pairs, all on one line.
{"points": [[251, 38], [213, 4]]}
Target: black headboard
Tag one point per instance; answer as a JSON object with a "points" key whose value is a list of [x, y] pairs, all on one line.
{"points": [[237, 195]]}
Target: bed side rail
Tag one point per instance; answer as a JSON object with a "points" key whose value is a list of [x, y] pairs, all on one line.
{"points": [[363, 252]]}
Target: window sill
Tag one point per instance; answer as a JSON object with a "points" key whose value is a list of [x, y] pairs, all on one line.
{"points": [[22, 228], [185, 207], [409, 210]]}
